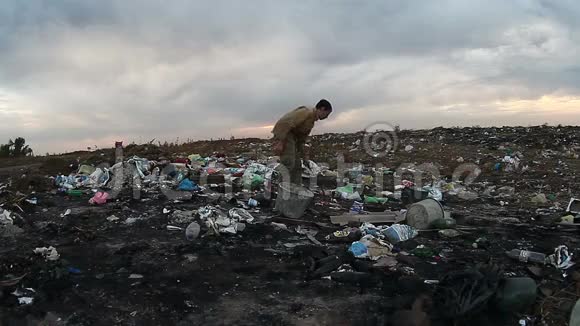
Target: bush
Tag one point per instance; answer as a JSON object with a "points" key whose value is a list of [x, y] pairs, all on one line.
{"points": [[16, 148]]}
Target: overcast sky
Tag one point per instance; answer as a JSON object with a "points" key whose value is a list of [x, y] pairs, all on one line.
{"points": [[80, 73]]}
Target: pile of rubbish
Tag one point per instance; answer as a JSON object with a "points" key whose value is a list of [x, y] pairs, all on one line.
{"points": [[180, 175], [428, 243]]}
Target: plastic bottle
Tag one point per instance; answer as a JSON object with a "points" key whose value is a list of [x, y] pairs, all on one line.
{"points": [[74, 193], [252, 202], [192, 231], [527, 256]]}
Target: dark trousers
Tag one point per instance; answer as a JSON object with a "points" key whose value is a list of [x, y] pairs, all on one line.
{"points": [[292, 158]]}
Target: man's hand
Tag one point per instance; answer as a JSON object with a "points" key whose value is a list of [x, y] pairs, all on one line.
{"points": [[278, 147], [307, 152]]}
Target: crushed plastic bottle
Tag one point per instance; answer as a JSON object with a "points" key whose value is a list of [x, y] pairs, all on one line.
{"points": [[192, 231], [527, 256]]}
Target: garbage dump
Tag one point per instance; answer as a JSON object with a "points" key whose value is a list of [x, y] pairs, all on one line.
{"points": [[459, 226]]}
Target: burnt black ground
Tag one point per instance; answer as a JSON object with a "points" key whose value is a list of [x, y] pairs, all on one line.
{"points": [[245, 279]]}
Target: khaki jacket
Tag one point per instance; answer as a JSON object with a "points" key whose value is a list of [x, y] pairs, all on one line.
{"points": [[298, 123]]}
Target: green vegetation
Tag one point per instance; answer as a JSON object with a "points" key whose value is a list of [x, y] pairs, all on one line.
{"points": [[16, 148]]}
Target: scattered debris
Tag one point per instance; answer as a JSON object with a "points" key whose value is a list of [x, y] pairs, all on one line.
{"points": [[539, 199], [192, 231], [99, 198], [449, 233], [561, 258], [50, 253], [182, 217], [25, 295], [112, 218], [370, 247], [391, 231], [5, 218]]}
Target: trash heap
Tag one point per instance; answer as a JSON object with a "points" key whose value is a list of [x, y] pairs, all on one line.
{"points": [[179, 175], [409, 241]]}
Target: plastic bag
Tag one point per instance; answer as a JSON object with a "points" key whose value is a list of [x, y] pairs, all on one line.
{"points": [[561, 258], [357, 207], [188, 185], [347, 192], [196, 160], [141, 164], [99, 198], [434, 192], [99, 178], [310, 168], [375, 200], [370, 247], [400, 232], [5, 217], [252, 181], [86, 169], [241, 215]]}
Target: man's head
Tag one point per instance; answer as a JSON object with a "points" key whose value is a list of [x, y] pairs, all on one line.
{"points": [[323, 109]]}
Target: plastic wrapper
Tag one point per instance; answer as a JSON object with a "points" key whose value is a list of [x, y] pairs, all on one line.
{"points": [[561, 258], [371, 247], [400, 232], [86, 169], [357, 207], [241, 215], [141, 164], [220, 223], [49, 253], [434, 192], [5, 217]]}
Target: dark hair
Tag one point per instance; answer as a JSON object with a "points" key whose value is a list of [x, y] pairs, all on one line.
{"points": [[324, 104]]}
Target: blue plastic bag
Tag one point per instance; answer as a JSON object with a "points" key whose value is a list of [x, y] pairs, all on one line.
{"points": [[359, 250], [188, 185]]}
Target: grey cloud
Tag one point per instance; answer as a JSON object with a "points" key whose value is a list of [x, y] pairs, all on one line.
{"points": [[91, 70]]}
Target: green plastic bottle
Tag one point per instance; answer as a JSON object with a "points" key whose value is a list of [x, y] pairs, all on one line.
{"points": [[74, 193]]}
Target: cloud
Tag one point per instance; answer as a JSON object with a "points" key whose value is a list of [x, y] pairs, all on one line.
{"points": [[83, 73]]}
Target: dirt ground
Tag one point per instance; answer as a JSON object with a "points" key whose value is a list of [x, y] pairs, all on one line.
{"points": [[141, 273]]}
